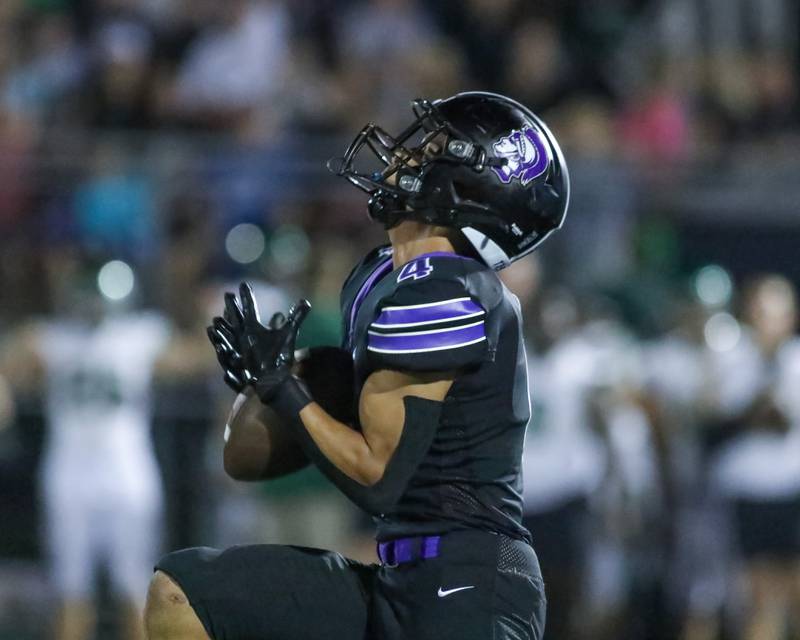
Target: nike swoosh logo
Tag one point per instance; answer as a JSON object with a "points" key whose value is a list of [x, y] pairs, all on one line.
{"points": [[444, 593]]}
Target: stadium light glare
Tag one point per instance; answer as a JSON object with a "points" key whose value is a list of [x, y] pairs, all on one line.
{"points": [[245, 243], [115, 280], [713, 286], [289, 250]]}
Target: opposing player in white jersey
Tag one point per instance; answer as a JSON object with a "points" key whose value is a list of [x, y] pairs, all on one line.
{"points": [[563, 462], [758, 470], [577, 373], [99, 479], [619, 467], [679, 381]]}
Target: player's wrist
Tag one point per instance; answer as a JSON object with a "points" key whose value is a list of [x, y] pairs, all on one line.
{"points": [[287, 398]]}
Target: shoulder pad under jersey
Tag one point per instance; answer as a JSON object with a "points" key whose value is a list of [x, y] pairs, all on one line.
{"points": [[372, 258], [435, 319]]}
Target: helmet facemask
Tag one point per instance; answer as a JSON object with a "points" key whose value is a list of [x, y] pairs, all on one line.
{"points": [[394, 172]]}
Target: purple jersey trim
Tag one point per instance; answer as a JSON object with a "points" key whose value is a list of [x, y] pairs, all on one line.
{"points": [[429, 312], [380, 271], [444, 254], [427, 340]]}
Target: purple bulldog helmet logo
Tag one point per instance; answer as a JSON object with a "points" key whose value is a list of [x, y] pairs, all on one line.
{"points": [[526, 153]]}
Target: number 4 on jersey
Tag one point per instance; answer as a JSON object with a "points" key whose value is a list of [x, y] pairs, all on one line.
{"points": [[416, 270]]}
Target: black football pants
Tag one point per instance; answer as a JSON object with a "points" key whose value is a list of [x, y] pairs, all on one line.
{"points": [[482, 586]]}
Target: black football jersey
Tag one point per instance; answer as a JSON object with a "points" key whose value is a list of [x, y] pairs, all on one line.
{"points": [[444, 312]]}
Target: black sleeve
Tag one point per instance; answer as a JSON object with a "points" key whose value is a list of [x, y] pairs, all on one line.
{"points": [[419, 429], [328, 374], [431, 325]]}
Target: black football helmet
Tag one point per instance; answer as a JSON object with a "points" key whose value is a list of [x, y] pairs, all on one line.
{"points": [[477, 161]]}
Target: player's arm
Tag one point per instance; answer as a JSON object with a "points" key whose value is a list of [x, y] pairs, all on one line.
{"points": [[259, 445], [7, 407], [258, 442], [363, 456], [400, 404], [400, 413], [21, 369], [20, 362], [185, 355]]}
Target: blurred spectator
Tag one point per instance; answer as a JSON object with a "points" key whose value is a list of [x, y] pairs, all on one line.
{"points": [[114, 207], [627, 553], [589, 461], [436, 70], [564, 461], [184, 405], [767, 24], [383, 29], [539, 74], [17, 144], [380, 41], [603, 189], [655, 125], [679, 374], [99, 480], [121, 96], [483, 27], [758, 470], [156, 127], [235, 65], [54, 64], [739, 58]]}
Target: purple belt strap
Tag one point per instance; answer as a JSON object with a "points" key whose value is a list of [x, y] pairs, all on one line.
{"points": [[403, 550]]}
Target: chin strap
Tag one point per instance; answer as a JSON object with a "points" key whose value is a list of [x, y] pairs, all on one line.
{"points": [[391, 210]]}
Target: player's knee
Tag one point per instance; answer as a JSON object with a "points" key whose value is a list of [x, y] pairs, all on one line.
{"points": [[166, 605], [165, 592], [168, 613]]}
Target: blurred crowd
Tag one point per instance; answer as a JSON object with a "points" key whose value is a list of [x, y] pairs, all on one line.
{"points": [[662, 483], [155, 152]]}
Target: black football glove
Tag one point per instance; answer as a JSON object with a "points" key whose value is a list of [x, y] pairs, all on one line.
{"points": [[229, 354], [226, 334], [271, 350]]}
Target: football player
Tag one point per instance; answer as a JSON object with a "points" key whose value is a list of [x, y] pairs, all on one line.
{"points": [[758, 470], [678, 389], [419, 418], [100, 485]]}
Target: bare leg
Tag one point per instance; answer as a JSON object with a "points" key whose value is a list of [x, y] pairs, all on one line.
{"points": [[168, 614], [770, 590], [701, 627], [75, 620], [794, 603], [131, 619]]}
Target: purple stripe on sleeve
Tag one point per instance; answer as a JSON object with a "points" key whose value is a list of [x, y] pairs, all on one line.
{"points": [[440, 340], [380, 271], [448, 310]]}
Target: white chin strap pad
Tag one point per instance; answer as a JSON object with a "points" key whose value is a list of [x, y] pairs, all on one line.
{"points": [[488, 249]]}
